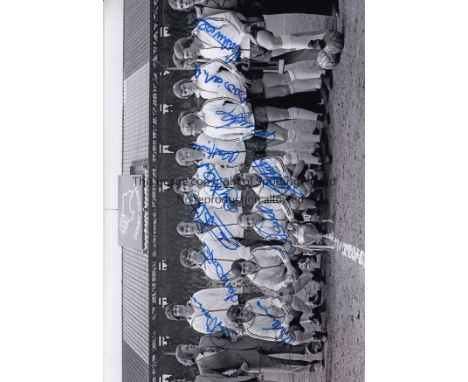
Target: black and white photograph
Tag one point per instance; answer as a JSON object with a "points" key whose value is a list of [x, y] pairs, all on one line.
{"points": [[241, 192], [233, 191]]}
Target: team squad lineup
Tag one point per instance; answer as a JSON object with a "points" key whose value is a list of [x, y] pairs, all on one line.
{"points": [[255, 200]]}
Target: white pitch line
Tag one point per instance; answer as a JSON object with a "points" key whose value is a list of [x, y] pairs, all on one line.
{"points": [[350, 251]]}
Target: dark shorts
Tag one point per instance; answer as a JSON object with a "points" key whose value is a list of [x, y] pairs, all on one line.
{"points": [[252, 74], [257, 53], [252, 155], [269, 7], [260, 116], [255, 90], [258, 143]]}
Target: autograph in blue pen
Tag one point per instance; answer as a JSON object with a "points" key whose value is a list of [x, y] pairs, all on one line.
{"points": [[223, 41], [204, 217], [265, 134], [216, 79], [274, 181], [279, 231], [208, 254], [213, 324], [213, 151], [230, 118], [219, 187], [235, 90], [211, 176], [285, 337]]}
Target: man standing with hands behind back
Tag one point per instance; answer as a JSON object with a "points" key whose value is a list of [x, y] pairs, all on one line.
{"points": [[215, 356]]}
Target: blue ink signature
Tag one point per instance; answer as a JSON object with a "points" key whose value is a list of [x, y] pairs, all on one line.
{"points": [[265, 134], [229, 156], [218, 189], [218, 80], [231, 118], [279, 231], [208, 254], [204, 217], [211, 176], [214, 77], [285, 337], [212, 323], [236, 91], [224, 41], [273, 180]]}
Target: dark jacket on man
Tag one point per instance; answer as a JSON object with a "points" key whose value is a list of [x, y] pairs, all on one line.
{"points": [[225, 355]]}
